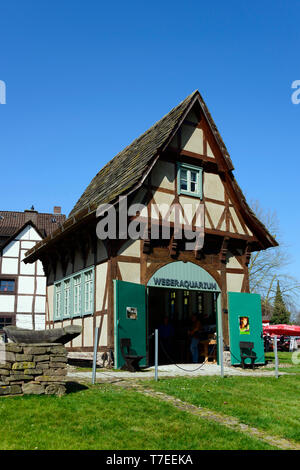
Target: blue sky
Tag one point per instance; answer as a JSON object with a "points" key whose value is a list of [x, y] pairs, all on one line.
{"points": [[84, 78]]}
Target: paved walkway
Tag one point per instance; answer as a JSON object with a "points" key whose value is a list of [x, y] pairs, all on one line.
{"points": [[190, 370]]}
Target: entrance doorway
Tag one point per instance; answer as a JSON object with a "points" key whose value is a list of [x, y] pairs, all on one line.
{"points": [[171, 311]]}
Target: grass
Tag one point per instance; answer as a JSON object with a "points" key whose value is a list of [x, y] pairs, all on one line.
{"points": [[107, 417], [265, 402]]}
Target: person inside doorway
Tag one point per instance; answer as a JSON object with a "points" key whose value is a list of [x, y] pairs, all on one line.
{"points": [[195, 332], [166, 336]]}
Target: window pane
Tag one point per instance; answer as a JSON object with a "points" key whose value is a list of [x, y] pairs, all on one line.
{"points": [[183, 174], [193, 187], [67, 298], [183, 185], [7, 285], [88, 291], [5, 321], [58, 300], [193, 176], [77, 297]]}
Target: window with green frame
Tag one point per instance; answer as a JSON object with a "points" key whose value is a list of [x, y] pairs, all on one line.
{"points": [[189, 180], [74, 295]]}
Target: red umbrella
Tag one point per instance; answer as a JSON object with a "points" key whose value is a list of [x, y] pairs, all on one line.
{"points": [[287, 330]]}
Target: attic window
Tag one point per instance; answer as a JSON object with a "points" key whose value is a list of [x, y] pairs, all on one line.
{"points": [[189, 180]]}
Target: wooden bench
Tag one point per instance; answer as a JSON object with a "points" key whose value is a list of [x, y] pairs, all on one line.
{"points": [[131, 360], [246, 349]]}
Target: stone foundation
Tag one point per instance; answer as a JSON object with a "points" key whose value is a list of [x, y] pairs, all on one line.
{"points": [[33, 369]]}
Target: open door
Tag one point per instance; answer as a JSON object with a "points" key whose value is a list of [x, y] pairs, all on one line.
{"points": [[130, 319], [245, 324]]}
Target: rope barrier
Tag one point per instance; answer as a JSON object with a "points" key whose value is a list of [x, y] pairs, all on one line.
{"points": [[181, 368]]}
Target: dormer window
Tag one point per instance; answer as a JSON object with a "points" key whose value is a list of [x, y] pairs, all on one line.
{"points": [[189, 180]]}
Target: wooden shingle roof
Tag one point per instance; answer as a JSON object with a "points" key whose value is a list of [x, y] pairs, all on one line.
{"points": [[129, 168]]}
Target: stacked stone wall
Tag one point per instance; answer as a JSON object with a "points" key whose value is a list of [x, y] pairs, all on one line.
{"points": [[33, 369]]}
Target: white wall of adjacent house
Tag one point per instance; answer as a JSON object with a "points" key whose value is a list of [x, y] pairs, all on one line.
{"points": [[28, 301]]}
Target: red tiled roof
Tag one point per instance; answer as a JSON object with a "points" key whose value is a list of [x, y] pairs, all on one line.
{"points": [[11, 221]]}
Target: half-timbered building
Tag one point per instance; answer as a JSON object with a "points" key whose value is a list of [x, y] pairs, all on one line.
{"points": [[23, 286], [127, 286]]}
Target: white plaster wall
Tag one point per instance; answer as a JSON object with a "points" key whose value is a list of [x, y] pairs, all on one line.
{"points": [[213, 187], [130, 248], [39, 321], [10, 265], [236, 221], [27, 244], [24, 321], [50, 294], [7, 303], [25, 285], [209, 151], [88, 331], [101, 272], [232, 262], [78, 340], [12, 249], [27, 268], [163, 175], [39, 268], [164, 201], [103, 337], [24, 303], [215, 211], [189, 207], [130, 272], [41, 285], [192, 139], [234, 282], [40, 304]]}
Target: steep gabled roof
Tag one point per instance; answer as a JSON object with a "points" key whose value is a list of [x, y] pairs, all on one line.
{"points": [[129, 168]]}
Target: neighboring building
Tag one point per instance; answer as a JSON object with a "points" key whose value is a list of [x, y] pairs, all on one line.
{"points": [[23, 287], [124, 286]]}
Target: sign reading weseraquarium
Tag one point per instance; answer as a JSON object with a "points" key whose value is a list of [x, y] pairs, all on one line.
{"points": [[180, 275]]}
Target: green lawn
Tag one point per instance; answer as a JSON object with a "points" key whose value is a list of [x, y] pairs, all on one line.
{"points": [[265, 402], [106, 417]]}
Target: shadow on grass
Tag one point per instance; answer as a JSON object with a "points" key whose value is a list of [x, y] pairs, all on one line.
{"points": [[74, 387]]}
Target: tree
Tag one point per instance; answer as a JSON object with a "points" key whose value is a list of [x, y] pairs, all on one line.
{"points": [[280, 313], [266, 267]]}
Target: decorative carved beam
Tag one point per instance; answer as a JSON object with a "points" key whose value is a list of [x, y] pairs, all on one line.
{"points": [[224, 249], [247, 254]]}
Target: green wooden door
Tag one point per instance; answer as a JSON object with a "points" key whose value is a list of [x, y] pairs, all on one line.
{"points": [[245, 324], [130, 319]]}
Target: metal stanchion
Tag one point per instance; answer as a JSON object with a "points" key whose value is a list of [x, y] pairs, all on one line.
{"points": [[156, 355], [276, 355], [95, 355]]}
